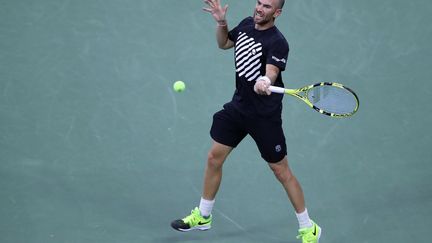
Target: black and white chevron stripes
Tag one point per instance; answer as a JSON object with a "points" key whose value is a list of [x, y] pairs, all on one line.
{"points": [[247, 57]]}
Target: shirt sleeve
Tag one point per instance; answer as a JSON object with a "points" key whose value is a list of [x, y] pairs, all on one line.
{"points": [[278, 54], [233, 34]]}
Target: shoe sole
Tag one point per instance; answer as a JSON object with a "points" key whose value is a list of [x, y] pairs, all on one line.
{"points": [[201, 228]]}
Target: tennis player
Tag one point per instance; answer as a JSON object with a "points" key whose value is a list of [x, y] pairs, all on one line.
{"points": [[261, 53]]}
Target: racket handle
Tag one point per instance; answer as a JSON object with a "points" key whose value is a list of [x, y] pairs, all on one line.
{"points": [[276, 89]]}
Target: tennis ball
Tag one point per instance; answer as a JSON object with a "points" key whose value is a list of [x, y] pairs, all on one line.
{"points": [[179, 86]]}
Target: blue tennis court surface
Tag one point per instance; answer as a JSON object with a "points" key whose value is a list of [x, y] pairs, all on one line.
{"points": [[96, 147]]}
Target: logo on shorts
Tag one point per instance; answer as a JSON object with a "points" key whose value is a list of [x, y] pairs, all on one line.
{"points": [[278, 148]]}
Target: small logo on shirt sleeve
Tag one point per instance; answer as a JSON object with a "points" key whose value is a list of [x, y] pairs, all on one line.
{"points": [[279, 60]]}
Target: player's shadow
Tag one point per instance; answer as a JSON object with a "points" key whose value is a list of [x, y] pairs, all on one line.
{"points": [[256, 233]]}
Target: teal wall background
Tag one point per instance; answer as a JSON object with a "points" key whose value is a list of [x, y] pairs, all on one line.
{"points": [[96, 147]]}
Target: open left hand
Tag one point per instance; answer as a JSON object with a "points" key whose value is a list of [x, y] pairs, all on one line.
{"points": [[216, 10]]}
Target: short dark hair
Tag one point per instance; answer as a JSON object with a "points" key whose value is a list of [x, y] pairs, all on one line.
{"points": [[281, 3]]}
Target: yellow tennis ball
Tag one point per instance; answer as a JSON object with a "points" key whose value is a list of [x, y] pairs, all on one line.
{"points": [[179, 86]]}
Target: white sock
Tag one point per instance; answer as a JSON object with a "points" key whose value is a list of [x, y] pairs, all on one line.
{"points": [[206, 207], [304, 220]]}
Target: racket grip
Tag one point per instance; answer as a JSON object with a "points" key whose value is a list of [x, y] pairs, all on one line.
{"points": [[276, 89]]}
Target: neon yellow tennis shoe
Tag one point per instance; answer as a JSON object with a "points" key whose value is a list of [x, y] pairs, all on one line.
{"points": [[192, 222], [310, 235]]}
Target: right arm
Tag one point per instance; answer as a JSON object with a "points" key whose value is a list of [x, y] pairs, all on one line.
{"points": [[218, 14]]}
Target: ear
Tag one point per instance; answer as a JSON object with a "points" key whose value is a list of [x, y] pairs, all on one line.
{"points": [[277, 13]]}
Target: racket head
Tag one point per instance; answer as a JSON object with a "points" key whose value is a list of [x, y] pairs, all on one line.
{"points": [[333, 99]]}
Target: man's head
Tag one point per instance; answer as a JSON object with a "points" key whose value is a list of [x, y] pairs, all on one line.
{"points": [[266, 11]]}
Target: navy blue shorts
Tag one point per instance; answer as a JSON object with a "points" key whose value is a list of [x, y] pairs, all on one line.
{"points": [[230, 127]]}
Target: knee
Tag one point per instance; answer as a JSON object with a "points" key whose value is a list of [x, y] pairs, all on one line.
{"points": [[214, 160], [282, 172]]}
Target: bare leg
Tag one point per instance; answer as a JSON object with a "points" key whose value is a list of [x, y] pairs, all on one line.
{"points": [[289, 182], [213, 172]]}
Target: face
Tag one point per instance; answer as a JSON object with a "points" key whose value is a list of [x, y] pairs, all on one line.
{"points": [[265, 12]]}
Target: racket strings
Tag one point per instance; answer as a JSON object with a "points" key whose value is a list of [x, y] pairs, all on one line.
{"points": [[333, 99]]}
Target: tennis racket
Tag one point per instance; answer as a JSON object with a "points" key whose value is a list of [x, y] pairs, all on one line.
{"points": [[331, 99]]}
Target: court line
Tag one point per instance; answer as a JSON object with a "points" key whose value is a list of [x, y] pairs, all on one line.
{"points": [[195, 189], [230, 219]]}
